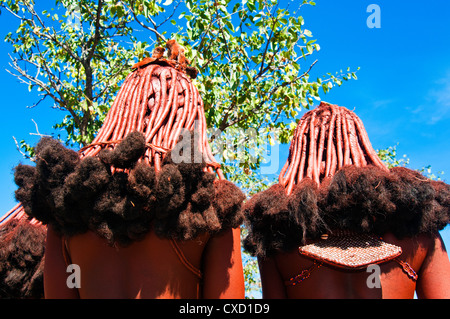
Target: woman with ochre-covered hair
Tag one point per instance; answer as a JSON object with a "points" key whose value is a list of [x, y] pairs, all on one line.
{"points": [[340, 224], [144, 211]]}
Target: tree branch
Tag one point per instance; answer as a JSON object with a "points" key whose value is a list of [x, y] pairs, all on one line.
{"points": [[92, 43], [154, 29], [23, 154], [267, 44], [60, 101], [225, 125], [37, 131], [170, 16], [23, 74], [51, 37]]}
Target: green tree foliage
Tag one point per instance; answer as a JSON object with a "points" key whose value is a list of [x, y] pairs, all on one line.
{"points": [[390, 158], [254, 62], [72, 55], [254, 57]]}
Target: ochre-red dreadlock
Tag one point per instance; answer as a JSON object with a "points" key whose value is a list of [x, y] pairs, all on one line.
{"points": [[333, 179], [326, 139], [159, 100]]}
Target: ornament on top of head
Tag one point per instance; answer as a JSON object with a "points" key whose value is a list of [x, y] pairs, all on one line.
{"points": [[175, 58]]}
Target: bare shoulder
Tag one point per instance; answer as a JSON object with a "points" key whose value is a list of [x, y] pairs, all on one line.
{"points": [[434, 277], [417, 247], [428, 256]]}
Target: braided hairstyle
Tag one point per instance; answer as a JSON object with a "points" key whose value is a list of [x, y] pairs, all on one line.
{"points": [[333, 179], [150, 166]]}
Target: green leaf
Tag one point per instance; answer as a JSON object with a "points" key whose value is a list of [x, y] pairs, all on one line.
{"points": [[307, 33]]}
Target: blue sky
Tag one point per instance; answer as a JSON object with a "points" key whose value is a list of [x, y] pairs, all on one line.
{"points": [[402, 93]]}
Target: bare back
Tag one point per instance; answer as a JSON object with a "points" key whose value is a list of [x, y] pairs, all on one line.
{"points": [[426, 255], [151, 268], [147, 269]]}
